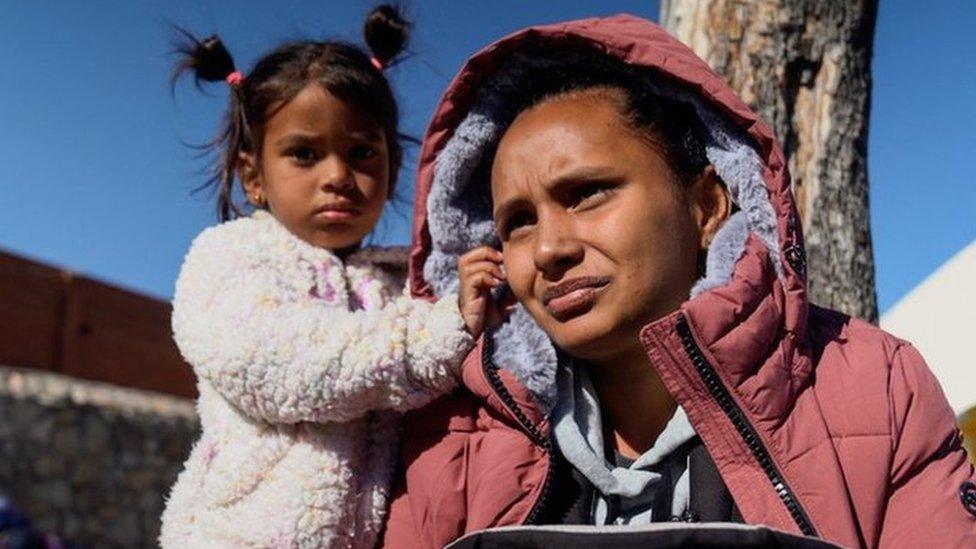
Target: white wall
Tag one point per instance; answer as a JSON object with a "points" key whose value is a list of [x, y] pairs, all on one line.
{"points": [[939, 317]]}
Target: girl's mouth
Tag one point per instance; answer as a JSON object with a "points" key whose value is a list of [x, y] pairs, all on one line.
{"points": [[336, 213], [573, 297]]}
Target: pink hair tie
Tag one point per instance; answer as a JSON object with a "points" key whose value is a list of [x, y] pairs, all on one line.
{"points": [[377, 63], [235, 79]]}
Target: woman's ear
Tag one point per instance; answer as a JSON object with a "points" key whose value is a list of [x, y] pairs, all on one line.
{"points": [[250, 176], [711, 204]]}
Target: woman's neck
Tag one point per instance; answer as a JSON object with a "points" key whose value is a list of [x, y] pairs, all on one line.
{"points": [[635, 406]]}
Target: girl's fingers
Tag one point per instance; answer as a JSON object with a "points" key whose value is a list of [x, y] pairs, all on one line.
{"points": [[486, 280], [482, 266], [478, 287], [484, 253]]}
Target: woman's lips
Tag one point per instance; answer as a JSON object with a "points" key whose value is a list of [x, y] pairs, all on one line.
{"points": [[573, 297]]}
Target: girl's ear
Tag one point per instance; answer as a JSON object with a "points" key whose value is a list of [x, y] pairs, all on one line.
{"points": [[711, 205], [250, 176]]}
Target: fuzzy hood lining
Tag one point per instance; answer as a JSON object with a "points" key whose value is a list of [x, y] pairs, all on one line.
{"points": [[460, 215]]}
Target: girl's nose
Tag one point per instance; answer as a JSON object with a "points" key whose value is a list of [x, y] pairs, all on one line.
{"points": [[336, 175]]}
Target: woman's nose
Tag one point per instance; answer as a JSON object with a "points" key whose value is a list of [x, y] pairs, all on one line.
{"points": [[336, 175], [556, 247]]}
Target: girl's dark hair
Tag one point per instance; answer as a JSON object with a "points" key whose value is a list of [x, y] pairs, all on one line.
{"points": [[545, 71], [343, 69]]}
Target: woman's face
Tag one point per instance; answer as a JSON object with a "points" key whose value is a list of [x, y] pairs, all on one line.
{"points": [[598, 237]]}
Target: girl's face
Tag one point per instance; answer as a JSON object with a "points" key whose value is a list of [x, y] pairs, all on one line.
{"points": [[597, 236], [323, 170]]}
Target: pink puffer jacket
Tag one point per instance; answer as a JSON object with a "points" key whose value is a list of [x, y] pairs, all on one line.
{"points": [[818, 423]]}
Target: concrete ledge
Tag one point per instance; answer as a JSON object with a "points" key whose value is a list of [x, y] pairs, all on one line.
{"points": [[50, 389]]}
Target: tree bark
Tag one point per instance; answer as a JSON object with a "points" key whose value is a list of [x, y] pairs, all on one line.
{"points": [[805, 67]]}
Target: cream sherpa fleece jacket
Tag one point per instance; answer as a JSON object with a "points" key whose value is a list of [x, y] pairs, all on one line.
{"points": [[303, 362]]}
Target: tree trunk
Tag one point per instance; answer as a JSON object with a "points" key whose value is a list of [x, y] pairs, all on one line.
{"points": [[805, 67]]}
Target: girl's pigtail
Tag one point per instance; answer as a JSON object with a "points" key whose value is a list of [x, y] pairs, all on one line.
{"points": [[386, 32], [209, 61]]}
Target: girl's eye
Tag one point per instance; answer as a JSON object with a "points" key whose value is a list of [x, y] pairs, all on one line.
{"points": [[362, 152], [303, 155], [515, 222]]}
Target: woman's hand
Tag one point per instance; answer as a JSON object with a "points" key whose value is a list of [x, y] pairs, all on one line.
{"points": [[480, 271]]}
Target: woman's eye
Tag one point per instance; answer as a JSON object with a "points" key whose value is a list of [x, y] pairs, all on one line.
{"points": [[304, 155], [362, 152], [516, 222], [590, 193]]}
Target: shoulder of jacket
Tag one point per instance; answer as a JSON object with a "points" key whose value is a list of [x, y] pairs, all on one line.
{"points": [[229, 236], [869, 355], [828, 327], [258, 238]]}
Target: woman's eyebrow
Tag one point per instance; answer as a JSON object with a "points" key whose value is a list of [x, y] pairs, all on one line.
{"points": [[508, 206], [583, 174]]}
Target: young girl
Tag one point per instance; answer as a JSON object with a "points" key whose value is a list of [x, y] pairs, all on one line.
{"points": [[303, 345]]}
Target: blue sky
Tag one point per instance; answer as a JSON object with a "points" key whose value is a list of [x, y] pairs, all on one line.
{"points": [[96, 177]]}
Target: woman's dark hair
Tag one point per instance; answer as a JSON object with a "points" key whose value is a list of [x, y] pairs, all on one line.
{"points": [[545, 71], [343, 69]]}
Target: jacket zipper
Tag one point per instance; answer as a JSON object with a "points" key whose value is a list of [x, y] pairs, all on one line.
{"points": [[748, 433], [491, 374]]}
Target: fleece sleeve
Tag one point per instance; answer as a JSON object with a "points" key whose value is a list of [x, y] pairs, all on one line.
{"points": [[930, 472], [248, 326]]}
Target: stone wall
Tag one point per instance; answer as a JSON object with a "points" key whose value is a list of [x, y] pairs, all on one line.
{"points": [[89, 461]]}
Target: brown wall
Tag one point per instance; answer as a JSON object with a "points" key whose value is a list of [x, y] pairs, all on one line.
{"points": [[52, 319]]}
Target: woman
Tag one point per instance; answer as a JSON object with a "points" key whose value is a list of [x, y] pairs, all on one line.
{"points": [[649, 234]]}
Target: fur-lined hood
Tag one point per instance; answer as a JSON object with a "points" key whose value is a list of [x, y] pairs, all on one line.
{"points": [[453, 205]]}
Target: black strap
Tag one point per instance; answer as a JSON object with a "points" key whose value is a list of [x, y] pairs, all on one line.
{"points": [[709, 498], [570, 499]]}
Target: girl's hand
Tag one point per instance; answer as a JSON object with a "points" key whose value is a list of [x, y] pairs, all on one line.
{"points": [[479, 271]]}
